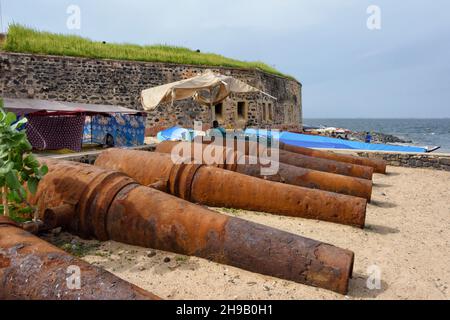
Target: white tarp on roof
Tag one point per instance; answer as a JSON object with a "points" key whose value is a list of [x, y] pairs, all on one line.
{"points": [[207, 89], [26, 106]]}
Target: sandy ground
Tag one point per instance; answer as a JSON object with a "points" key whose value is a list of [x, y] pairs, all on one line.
{"points": [[407, 238]]}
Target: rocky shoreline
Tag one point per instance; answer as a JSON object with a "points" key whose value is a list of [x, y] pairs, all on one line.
{"points": [[378, 137]]}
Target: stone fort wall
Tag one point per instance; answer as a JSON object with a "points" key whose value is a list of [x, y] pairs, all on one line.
{"points": [[120, 83]]}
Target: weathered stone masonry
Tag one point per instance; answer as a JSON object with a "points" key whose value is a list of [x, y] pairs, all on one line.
{"points": [[438, 161], [120, 83]]}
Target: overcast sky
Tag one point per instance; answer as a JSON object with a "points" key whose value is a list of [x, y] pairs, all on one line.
{"points": [[347, 70]]}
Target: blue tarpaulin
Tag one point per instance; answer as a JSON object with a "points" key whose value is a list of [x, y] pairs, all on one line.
{"points": [[175, 134], [296, 139], [320, 142]]}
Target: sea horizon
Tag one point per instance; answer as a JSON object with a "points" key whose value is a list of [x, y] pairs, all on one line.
{"points": [[358, 118], [428, 132]]}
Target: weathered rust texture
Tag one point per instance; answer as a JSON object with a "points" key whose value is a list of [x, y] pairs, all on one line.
{"points": [[144, 216], [295, 159], [287, 173], [378, 165], [179, 226], [221, 188], [32, 269], [216, 187], [79, 196], [315, 263], [325, 165], [312, 179], [309, 162]]}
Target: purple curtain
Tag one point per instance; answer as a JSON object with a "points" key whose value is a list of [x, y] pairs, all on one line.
{"points": [[55, 132]]}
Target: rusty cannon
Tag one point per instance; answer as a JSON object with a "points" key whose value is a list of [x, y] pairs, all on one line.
{"points": [[238, 162], [217, 187], [295, 159], [32, 269], [378, 165], [103, 204]]}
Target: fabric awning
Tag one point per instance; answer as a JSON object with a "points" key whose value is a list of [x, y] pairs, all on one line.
{"points": [[207, 89], [27, 106]]}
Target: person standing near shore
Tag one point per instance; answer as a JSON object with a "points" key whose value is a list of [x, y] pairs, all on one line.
{"points": [[368, 137], [218, 128]]}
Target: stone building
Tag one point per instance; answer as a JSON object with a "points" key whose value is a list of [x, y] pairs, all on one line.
{"points": [[120, 83]]}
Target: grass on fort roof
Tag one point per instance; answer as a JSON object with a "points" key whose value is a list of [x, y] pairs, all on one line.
{"points": [[27, 40]]}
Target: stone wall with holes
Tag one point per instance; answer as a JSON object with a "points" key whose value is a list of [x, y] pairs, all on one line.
{"points": [[120, 83], [438, 161]]}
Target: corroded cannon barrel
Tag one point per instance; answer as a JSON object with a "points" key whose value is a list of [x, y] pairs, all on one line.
{"points": [[238, 162], [378, 165], [295, 159], [331, 166], [108, 205], [312, 179], [216, 187], [305, 161], [33, 269]]}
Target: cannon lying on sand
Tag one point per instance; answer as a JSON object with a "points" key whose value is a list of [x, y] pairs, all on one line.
{"points": [[32, 269], [217, 187], [236, 161], [295, 159], [107, 205], [378, 165]]}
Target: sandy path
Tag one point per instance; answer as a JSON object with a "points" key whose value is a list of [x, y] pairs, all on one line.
{"points": [[407, 237]]}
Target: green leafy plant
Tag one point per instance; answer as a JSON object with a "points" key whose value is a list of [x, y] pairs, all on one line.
{"points": [[18, 166]]}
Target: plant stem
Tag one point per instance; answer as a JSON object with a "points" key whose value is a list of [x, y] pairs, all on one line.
{"points": [[35, 215], [5, 201]]}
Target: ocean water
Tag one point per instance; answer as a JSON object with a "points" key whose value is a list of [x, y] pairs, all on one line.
{"points": [[423, 132]]}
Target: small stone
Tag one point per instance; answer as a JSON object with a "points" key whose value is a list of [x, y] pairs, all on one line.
{"points": [[166, 260], [151, 254], [266, 288], [19, 246], [251, 283], [383, 194], [141, 269], [56, 231]]}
